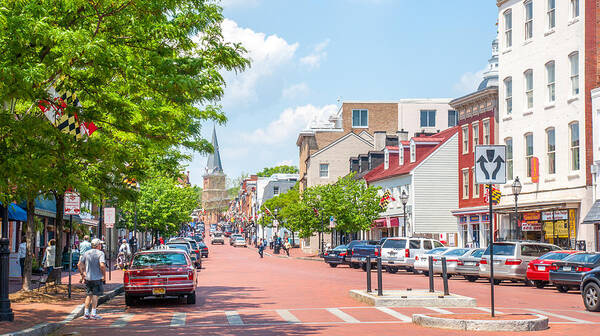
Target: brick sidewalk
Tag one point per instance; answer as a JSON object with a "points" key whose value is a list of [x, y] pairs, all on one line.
{"points": [[30, 314]]}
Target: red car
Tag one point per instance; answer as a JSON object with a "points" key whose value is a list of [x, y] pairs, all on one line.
{"points": [[160, 273], [538, 269]]}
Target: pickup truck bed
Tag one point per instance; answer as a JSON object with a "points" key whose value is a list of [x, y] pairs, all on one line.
{"points": [[361, 252]]}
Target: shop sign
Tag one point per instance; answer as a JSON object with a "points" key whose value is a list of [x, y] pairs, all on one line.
{"points": [[558, 215], [556, 229], [531, 226], [474, 218], [463, 219], [531, 216], [572, 225], [72, 204], [485, 218], [535, 170]]}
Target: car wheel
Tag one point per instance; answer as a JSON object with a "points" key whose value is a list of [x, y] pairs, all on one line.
{"points": [[332, 265], [562, 289], [426, 273], [528, 283], [191, 298], [364, 267], [392, 269], [497, 281], [539, 283], [354, 265], [471, 278], [130, 300], [591, 297], [410, 269]]}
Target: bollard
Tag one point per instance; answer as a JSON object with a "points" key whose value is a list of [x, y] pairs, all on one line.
{"points": [[445, 276], [431, 289], [368, 274], [379, 278]]}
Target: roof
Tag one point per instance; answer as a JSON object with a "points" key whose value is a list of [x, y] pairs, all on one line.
{"points": [[379, 173], [593, 216], [214, 159]]}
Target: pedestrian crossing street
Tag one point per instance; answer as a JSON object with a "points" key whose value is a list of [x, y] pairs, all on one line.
{"points": [[141, 318]]}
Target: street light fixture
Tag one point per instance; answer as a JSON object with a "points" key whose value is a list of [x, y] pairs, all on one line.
{"points": [[516, 188], [404, 199]]}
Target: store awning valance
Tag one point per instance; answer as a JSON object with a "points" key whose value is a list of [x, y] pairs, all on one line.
{"points": [[16, 213], [593, 216]]}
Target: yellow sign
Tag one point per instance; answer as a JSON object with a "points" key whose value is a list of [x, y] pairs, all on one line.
{"points": [[556, 229], [572, 223]]}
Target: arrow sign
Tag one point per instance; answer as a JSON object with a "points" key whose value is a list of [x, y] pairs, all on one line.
{"points": [[491, 164]]}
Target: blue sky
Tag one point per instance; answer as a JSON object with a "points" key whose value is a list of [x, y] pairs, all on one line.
{"points": [[307, 53]]}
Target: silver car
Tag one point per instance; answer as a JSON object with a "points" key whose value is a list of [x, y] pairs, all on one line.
{"points": [[239, 241], [468, 265], [451, 255], [400, 252], [422, 261], [217, 238], [511, 260]]}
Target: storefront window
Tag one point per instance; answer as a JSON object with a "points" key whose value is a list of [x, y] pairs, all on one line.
{"points": [[464, 234], [475, 229]]}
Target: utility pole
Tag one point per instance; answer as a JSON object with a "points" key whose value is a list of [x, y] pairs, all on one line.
{"points": [[6, 314]]}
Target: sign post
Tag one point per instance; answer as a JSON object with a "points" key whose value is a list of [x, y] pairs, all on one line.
{"points": [[72, 206], [109, 221], [490, 169]]}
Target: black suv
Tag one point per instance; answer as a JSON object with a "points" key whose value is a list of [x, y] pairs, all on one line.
{"points": [[590, 290]]}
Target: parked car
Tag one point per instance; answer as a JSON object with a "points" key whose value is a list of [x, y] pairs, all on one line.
{"points": [[512, 258], [567, 274], [203, 249], [452, 254], [195, 248], [400, 252], [184, 245], [468, 265], [194, 251], [351, 245], [361, 252], [217, 238], [590, 290], [422, 261], [160, 273], [239, 241], [336, 256], [232, 238], [538, 270]]}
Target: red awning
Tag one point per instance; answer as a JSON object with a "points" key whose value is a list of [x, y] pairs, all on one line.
{"points": [[379, 223], [394, 222]]}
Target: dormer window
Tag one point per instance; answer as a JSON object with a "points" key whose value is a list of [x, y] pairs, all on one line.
{"points": [[413, 152], [401, 156], [386, 159]]}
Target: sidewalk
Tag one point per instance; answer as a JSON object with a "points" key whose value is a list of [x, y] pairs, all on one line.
{"points": [[295, 252], [30, 314]]}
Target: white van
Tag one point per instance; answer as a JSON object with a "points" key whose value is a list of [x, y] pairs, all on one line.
{"points": [[400, 252]]}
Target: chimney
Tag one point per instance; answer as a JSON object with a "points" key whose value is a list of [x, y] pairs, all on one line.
{"points": [[402, 135], [391, 140], [364, 162], [354, 165], [379, 140]]}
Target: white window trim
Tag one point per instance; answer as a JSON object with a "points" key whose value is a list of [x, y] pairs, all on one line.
{"points": [[527, 156], [468, 184], [401, 155], [527, 90], [475, 135], [386, 159], [572, 15], [573, 76], [550, 12], [571, 147], [508, 98], [548, 152], [413, 152], [508, 40], [352, 118], [468, 137], [327, 164], [550, 85], [512, 159], [487, 122], [475, 185], [530, 21]]}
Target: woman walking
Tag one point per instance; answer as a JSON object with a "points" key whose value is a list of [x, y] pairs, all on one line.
{"points": [[49, 256]]}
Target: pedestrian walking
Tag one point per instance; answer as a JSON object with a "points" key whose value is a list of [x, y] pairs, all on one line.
{"points": [[85, 245], [49, 259], [92, 267], [261, 247], [286, 247], [22, 255]]}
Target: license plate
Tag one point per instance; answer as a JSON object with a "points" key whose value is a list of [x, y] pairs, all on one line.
{"points": [[541, 268], [158, 291], [391, 262], [566, 268], [469, 263]]}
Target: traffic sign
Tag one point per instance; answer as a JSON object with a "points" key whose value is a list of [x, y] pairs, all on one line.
{"points": [[72, 204], [490, 164], [109, 217]]}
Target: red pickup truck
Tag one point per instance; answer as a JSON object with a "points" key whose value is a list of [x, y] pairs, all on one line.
{"points": [[160, 273]]}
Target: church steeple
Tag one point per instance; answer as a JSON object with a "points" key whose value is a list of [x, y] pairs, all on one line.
{"points": [[214, 159]]}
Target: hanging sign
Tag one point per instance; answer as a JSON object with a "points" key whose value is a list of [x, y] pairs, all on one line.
{"points": [[109, 217], [72, 204]]}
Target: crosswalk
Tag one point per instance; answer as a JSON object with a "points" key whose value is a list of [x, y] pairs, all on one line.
{"points": [[138, 318]]}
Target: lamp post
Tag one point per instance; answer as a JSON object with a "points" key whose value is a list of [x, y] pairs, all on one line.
{"points": [[516, 188], [404, 199], [6, 313]]}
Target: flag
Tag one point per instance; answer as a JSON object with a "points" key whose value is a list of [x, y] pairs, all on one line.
{"points": [[130, 183], [316, 212], [385, 199], [496, 195], [268, 212]]}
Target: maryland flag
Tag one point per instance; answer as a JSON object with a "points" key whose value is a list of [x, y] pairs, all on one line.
{"points": [[496, 195], [385, 199], [268, 212], [130, 183], [316, 211]]}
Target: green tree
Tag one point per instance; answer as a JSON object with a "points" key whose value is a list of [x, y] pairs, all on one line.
{"points": [[283, 169]]}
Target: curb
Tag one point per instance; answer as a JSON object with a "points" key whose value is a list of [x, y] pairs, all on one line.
{"points": [[48, 328], [538, 322]]}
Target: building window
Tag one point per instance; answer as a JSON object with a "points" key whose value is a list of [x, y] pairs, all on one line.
{"points": [[475, 185], [551, 14], [551, 139], [360, 118], [509, 158], [574, 60], [386, 159], [486, 132], [452, 118], [475, 135], [574, 8], [508, 90], [276, 190], [465, 139], [401, 155], [427, 118], [528, 152], [528, 19], [574, 130], [551, 81], [413, 152], [324, 170], [508, 29], [529, 88], [465, 180]]}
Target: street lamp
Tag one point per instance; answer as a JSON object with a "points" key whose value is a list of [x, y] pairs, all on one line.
{"points": [[404, 199], [516, 188]]}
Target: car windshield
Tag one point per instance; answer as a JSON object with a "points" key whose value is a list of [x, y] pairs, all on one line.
{"points": [[477, 253], [436, 250], [554, 256], [159, 259], [340, 248], [588, 258], [394, 243], [502, 249], [457, 252], [201, 245], [194, 245], [179, 246], [355, 242]]}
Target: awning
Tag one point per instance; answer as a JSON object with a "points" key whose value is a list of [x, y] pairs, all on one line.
{"points": [[46, 207], [593, 216], [16, 213]]}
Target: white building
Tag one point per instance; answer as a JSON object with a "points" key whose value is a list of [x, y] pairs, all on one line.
{"points": [[542, 118], [267, 188]]}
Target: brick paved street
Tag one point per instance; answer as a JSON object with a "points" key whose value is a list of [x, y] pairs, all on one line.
{"points": [[240, 294]]}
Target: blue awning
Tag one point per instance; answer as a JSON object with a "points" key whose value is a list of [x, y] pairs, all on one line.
{"points": [[16, 213], [46, 207]]}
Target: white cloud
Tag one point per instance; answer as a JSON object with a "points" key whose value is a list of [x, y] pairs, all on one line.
{"points": [[468, 82], [285, 163], [313, 60], [268, 53], [295, 91], [290, 122], [239, 3]]}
